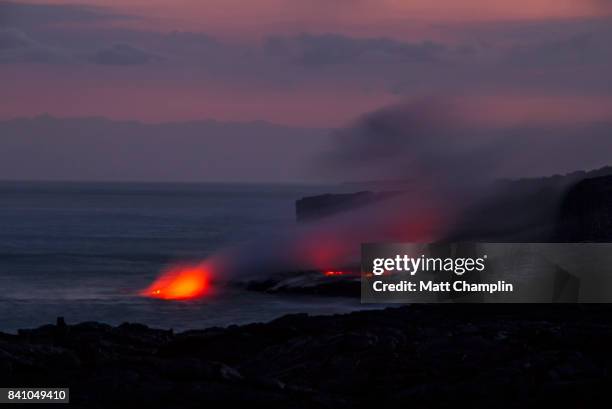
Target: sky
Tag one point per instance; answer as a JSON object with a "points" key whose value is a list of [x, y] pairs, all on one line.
{"points": [[320, 64]]}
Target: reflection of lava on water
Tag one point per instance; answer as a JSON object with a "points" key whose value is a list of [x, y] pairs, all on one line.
{"points": [[180, 283]]}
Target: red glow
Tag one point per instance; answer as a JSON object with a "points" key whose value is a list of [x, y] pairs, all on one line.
{"points": [[180, 283], [323, 249], [333, 273]]}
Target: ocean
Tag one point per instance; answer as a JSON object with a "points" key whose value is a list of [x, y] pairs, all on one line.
{"points": [[83, 250]]}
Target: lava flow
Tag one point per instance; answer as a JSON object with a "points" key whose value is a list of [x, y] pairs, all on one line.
{"points": [[180, 283]]}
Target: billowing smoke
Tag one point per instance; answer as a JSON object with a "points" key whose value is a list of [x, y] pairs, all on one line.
{"points": [[441, 140], [328, 245], [441, 146], [444, 165]]}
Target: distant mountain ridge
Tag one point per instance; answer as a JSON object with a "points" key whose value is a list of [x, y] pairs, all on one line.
{"points": [[102, 149]]}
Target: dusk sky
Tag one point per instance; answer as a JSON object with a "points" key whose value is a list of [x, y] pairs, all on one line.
{"points": [[315, 64]]}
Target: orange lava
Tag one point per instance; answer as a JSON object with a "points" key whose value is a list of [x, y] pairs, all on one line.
{"points": [[333, 273], [180, 283]]}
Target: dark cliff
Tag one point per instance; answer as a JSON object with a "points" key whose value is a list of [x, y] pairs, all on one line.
{"points": [[316, 207], [585, 213]]}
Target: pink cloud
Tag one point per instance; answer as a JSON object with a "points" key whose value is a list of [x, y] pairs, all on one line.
{"points": [[125, 93], [253, 19]]}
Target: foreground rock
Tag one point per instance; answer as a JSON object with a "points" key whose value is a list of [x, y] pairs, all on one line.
{"points": [[419, 356]]}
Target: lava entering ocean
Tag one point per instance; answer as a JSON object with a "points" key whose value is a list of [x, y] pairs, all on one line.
{"points": [[180, 283], [332, 273]]}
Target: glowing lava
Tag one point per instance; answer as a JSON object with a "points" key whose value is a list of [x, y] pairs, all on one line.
{"points": [[333, 273], [180, 283]]}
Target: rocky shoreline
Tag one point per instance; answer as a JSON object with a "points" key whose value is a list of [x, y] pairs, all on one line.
{"points": [[419, 355]]}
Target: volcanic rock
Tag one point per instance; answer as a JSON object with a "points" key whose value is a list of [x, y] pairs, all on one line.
{"points": [[424, 355]]}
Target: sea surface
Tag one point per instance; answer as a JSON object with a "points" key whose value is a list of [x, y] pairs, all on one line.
{"points": [[83, 251]]}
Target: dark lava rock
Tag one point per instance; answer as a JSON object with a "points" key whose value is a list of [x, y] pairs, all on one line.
{"points": [[346, 283], [433, 356]]}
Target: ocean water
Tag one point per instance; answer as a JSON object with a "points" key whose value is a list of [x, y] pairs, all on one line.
{"points": [[82, 251]]}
